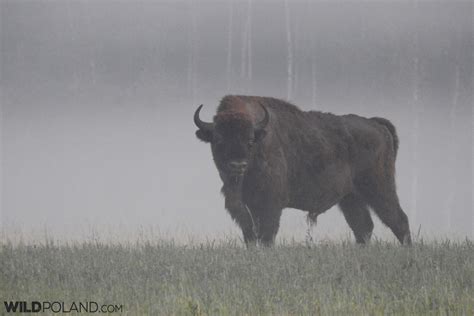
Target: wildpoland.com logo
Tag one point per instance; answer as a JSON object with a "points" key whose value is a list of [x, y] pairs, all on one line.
{"points": [[60, 307]]}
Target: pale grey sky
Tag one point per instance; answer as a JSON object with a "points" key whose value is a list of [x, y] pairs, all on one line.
{"points": [[98, 97]]}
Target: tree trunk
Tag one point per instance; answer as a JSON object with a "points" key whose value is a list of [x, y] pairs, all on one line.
{"points": [[416, 111], [229, 45], [192, 69], [314, 84], [290, 52], [1, 161], [244, 55], [449, 207], [314, 87], [249, 46]]}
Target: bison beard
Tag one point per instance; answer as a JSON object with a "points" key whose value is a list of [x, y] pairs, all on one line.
{"points": [[238, 210], [271, 155]]}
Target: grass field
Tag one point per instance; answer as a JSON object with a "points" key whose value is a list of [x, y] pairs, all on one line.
{"points": [[224, 278]]}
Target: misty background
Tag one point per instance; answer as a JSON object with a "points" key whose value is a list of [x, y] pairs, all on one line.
{"points": [[97, 99]]}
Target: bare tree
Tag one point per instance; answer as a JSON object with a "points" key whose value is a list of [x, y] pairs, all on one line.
{"points": [[229, 44], [192, 68], [1, 159], [74, 83], [249, 44], [472, 144], [314, 88], [290, 52], [314, 84], [449, 207], [417, 109], [296, 61], [244, 55]]}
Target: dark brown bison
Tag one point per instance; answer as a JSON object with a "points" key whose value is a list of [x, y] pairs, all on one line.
{"points": [[271, 155]]}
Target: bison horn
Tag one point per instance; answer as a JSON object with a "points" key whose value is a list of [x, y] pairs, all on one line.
{"points": [[264, 122], [202, 125]]}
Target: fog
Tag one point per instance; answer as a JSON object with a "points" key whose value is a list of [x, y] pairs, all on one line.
{"points": [[97, 99]]}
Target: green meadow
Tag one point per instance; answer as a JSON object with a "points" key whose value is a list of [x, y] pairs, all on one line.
{"points": [[158, 277]]}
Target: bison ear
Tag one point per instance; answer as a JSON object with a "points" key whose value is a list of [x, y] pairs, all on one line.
{"points": [[260, 134], [205, 136]]}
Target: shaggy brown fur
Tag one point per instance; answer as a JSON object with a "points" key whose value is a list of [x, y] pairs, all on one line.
{"points": [[304, 160]]}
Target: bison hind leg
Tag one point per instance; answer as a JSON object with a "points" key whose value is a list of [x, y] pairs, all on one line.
{"points": [[384, 201], [357, 215]]}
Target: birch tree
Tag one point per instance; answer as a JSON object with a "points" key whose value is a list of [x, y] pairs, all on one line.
{"points": [[249, 45], [451, 184], [416, 111], [229, 45], [244, 55], [296, 61], [314, 87], [192, 69], [472, 144], [1, 160], [289, 51], [472, 163]]}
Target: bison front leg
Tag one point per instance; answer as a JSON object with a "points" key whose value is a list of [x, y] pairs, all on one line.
{"points": [[242, 216], [267, 227]]}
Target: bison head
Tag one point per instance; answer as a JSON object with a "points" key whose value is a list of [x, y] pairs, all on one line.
{"points": [[234, 137]]}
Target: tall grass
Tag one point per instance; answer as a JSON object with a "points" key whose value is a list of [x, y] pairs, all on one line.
{"points": [[224, 278]]}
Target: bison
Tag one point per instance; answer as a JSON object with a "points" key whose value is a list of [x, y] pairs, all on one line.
{"points": [[271, 155]]}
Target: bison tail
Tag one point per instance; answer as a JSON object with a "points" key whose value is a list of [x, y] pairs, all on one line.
{"points": [[391, 128]]}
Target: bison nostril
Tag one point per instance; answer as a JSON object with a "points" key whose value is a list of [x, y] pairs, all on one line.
{"points": [[238, 164]]}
